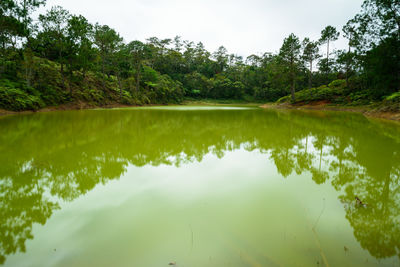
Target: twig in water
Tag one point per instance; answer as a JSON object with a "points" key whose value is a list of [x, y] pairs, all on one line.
{"points": [[191, 230], [322, 211], [324, 259]]}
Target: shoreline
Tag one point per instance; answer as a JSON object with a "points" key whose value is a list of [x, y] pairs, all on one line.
{"points": [[84, 106], [367, 111], [71, 106]]}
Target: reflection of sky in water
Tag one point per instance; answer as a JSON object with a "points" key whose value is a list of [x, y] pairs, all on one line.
{"points": [[196, 108]]}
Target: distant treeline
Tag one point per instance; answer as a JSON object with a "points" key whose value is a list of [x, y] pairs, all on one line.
{"points": [[63, 58]]}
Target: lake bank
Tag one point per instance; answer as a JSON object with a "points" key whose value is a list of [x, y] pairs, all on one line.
{"points": [[84, 105], [368, 111]]}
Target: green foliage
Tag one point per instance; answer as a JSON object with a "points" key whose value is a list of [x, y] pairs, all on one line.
{"points": [[337, 84], [360, 98], [268, 93], [167, 90], [197, 85], [329, 34], [14, 97], [323, 93], [67, 59], [395, 97], [290, 58], [382, 67], [224, 88]]}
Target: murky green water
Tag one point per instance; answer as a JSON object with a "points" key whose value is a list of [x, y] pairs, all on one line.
{"points": [[199, 187]]}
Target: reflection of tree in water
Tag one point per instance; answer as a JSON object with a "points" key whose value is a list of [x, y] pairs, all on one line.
{"points": [[377, 227], [65, 155]]}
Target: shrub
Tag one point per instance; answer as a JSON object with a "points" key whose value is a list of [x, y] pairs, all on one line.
{"points": [[337, 83], [394, 98], [360, 98], [13, 97], [329, 93]]}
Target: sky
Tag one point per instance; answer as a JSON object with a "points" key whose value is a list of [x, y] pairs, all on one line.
{"points": [[243, 27]]}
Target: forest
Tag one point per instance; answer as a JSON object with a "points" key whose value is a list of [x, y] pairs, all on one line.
{"points": [[63, 58]]}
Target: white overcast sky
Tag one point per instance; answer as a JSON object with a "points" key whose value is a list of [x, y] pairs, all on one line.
{"points": [[243, 27]]}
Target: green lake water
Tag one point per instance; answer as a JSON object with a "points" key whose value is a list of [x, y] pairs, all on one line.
{"points": [[199, 186]]}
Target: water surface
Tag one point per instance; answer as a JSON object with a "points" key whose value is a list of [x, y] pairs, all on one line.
{"points": [[199, 186]]}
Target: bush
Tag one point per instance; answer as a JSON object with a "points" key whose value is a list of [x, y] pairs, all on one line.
{"points": [[361, 97], [13, 97], [394, 98], [224, 88], [268, 93], [329, 93]]}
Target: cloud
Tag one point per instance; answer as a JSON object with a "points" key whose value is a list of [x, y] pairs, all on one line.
{"points": [[243, 27]]}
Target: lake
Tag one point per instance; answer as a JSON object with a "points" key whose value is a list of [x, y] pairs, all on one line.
{"points": [[199, 186]]}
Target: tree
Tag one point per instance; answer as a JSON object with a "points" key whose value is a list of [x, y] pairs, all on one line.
{"points": [[329, 34], [310, 53], [290, 56], [377, 20], [344, 61], [26, 8], [377, 28], [351, 34], [15, 19], [80, 37], [121, 65], [381, 67], [138, 52], [53, 35], [107, 41], [178, 43], [221, 57]]}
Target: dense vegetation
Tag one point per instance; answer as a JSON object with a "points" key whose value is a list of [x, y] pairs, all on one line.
{"points": [[63, 58]]}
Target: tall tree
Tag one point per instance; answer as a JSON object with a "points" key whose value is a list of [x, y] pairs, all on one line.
{"points": [[26, 8], [290, 56], [54, 31], [80, 36], [310, 53], [328, 35], [120, 65], [138, 52], [377, 20], [378, 35], [107, 41], [15, 19], [221, 57], [351, 35]]}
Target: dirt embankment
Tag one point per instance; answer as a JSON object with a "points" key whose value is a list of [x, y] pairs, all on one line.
{"points": [[322, 105]]}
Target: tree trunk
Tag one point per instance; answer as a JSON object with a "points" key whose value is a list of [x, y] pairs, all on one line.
{"points": [[327, 57], [62, 67], [119, 84], [293, 80], [310, 77], [28, 66], [293, 90], [348, 66], [137, 78], [103, 72], [62, 75]]}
